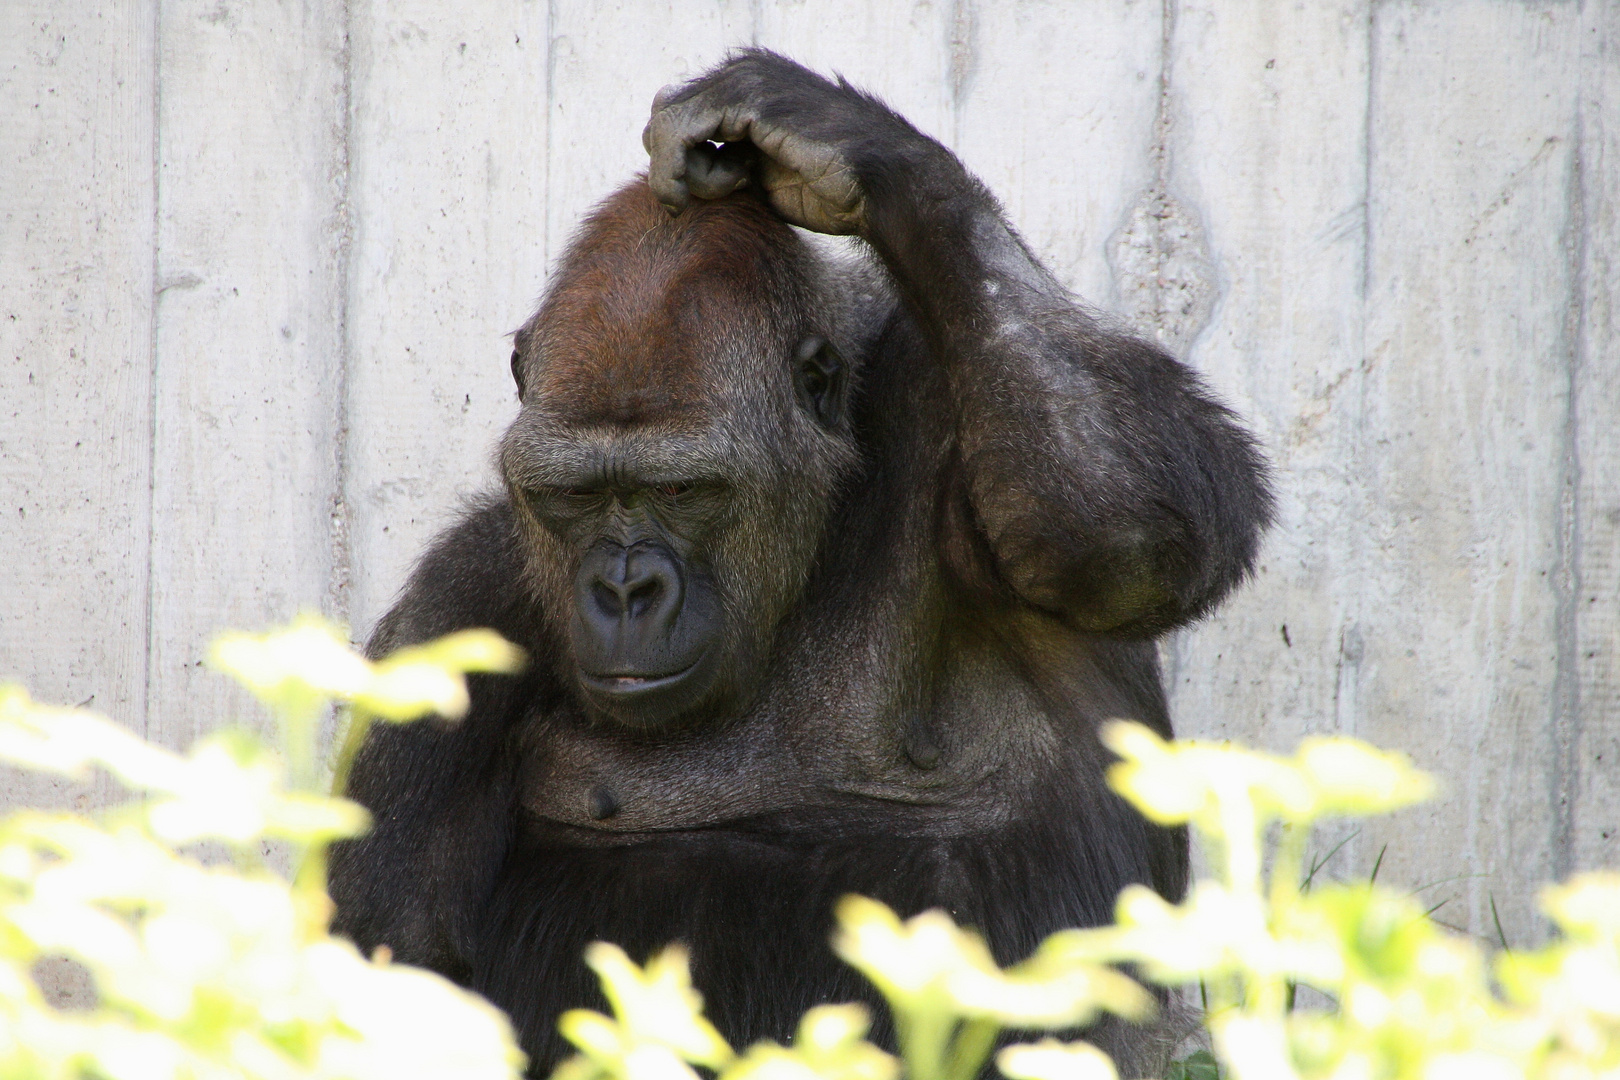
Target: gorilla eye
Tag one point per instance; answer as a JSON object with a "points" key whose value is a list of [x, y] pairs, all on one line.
{"points": [[553, 501], [674, 490]]}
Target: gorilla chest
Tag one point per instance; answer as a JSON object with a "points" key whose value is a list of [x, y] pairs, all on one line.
{"points": [[846, 752]]}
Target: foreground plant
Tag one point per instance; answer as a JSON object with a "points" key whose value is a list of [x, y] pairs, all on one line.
{"points": [[224, 970], [1412, 1001], [949, 999]]}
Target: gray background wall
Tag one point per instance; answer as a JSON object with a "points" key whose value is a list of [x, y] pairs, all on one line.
{"points": [[257, 262]]}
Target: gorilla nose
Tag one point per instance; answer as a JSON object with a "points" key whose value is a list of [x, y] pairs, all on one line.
{"points": [[642, 623], [635, 583]]}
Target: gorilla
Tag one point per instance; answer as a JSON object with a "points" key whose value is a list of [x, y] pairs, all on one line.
{"points": [[830, 556]]}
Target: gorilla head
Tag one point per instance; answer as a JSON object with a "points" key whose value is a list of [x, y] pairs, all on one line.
{"points": [[684, 424]]}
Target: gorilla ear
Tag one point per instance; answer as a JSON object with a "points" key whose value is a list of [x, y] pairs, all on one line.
{"points": [[818, 380], [517, 372]]}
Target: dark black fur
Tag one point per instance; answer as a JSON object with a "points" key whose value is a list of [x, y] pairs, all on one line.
{"points": [[1027, 499]]}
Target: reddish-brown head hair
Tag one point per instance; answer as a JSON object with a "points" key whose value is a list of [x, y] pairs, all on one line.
{"points": [[666, 356], [659, 319]]}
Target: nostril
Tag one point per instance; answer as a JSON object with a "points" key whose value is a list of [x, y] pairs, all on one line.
{"points": [[633, 598], [635, 584], [642, 594], [608, 597]]}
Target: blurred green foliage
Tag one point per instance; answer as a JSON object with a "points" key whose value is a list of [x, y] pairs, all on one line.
{"points": [[1406, 999], [227, 969]]}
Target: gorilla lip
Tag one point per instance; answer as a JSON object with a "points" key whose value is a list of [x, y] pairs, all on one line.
{"points": [[621, 685]]}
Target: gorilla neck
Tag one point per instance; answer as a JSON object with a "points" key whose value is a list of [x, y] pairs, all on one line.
{"points": [[919, 763]]}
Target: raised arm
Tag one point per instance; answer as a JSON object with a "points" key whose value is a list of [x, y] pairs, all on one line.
{"points": [[1113, 490]]}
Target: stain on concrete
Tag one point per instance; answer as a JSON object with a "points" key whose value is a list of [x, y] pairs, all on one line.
{"points": [[1162, 270]]}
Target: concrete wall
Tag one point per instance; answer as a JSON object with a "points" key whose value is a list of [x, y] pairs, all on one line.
{"points": [[257, 262]]}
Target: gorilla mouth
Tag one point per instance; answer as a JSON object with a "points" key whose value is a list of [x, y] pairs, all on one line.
{"points": [[625, 685]]}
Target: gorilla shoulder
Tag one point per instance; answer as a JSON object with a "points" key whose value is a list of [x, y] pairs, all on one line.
{"points": [[465, 581]]}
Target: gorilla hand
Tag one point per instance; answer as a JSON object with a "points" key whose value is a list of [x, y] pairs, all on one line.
{"points": [[781, 127]]}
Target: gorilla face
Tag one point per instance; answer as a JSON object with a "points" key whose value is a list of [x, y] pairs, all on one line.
{"points": [[645, 615], [636, 524], [679, 442], [665, 560]]}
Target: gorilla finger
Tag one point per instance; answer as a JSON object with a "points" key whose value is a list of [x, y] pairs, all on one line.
{"points": [[715, 172], [661, 101], [667, 144], [734, 124], [672, 194], [666, 94]]}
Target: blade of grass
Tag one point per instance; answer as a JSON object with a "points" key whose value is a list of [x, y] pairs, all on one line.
{"points": [[1497, 919], [1373, 880], [1317, 864], [1446, 880]]}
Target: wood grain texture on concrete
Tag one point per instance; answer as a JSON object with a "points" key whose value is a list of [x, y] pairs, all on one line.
{"points": [[1591, 781], [78, 110], [1268, 149], [259, 262], [1465, 438], [248, 365], [449, 201]]}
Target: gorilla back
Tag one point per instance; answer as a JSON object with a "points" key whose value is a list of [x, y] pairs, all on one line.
{"points": [[829, 564]]}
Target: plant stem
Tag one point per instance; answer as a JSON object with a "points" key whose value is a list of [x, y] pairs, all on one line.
{"points": [[970, 1048], [354, 737], [923, 1034], [1285, 867], [314, 907]]}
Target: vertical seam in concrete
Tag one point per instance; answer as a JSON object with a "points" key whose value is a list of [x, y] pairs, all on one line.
{"points": [[1161, 157], [959, 64], [1161, 116], [1173, 646], [1367, 173], [1566, 710], [341, 574], [1347, 720], [152, 366], [551, 120]]}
